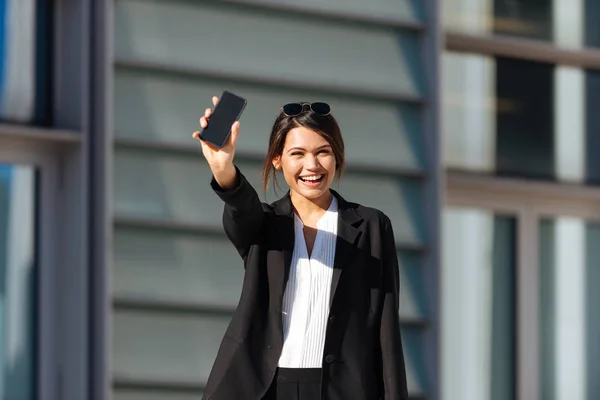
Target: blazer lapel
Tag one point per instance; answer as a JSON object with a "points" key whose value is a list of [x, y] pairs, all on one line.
{"points": [[348, 233], [285, 225]]}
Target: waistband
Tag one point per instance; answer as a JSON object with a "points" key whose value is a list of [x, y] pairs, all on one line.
{"points": [[297, 375]]}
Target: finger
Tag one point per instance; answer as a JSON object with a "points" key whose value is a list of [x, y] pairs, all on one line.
{"points": [[196, 135], [235, 130], [203, 122], [215, 100], [207, 112], [211, 146]]}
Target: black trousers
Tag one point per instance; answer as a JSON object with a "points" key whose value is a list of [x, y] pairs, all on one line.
{"points": [[295, 384]]}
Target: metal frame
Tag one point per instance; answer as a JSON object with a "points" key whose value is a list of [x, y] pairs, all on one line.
{"points": [[70, 109], [526, 49], [433, 192], [44, 149], [100, 152], [513, 195], [528, 202]]}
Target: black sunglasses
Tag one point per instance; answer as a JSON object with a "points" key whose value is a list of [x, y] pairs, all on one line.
{"points": [[294, 109]]}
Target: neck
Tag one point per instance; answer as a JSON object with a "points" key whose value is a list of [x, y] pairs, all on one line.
{"points": [[306, 207]]}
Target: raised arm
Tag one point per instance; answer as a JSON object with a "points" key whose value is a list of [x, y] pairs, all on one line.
{"points": [[243, 215]]}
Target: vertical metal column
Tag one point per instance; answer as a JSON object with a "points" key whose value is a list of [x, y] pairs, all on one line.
{"points": [[433, 191], [100, 187]]}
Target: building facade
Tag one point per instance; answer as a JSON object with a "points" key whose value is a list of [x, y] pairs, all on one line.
{"points": [[470, 123]]}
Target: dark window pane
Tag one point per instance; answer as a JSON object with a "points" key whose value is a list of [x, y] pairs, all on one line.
{"points": [[523, 18], [26, 62], [592, 27], [593, 127], [521, 119], [17, 270], [525, 132]]}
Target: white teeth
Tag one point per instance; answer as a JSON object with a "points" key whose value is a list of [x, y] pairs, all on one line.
{"points": [[311, 178]]}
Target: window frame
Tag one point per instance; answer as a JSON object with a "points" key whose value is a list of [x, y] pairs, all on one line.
{"points": [[529, 202], [60, 307]]}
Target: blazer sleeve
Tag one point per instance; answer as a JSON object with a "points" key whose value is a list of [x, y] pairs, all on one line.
{"points": [[392, 355], [243, 214]]}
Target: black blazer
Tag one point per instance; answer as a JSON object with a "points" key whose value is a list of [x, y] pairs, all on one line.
{"points": [[363, 357]]}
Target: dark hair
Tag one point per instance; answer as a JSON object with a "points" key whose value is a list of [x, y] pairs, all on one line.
{"points": [[326, 126]]}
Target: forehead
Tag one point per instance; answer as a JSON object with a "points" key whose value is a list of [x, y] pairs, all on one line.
{"points": [[304, 137]]}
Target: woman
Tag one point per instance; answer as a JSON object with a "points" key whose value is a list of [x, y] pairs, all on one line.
{"points": [[318, 314]]}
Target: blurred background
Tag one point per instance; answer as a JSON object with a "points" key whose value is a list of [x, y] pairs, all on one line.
{"points": [[473, 124]]}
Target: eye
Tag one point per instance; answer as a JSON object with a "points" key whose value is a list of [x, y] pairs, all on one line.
{"points": [[296, 153]]}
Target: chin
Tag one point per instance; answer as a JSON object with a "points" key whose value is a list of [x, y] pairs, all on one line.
{"points": [[312, 194]]}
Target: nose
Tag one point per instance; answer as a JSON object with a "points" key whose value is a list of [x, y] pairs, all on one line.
{"points": [[312, 162]]}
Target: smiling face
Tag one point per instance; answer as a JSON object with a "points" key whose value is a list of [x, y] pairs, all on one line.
{"points": [[308, 164]]}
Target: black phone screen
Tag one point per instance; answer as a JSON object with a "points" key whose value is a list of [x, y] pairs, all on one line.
{"points": [[227, 111]]}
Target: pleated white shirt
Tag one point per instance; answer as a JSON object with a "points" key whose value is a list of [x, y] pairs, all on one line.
{"points": [[305, 307]]}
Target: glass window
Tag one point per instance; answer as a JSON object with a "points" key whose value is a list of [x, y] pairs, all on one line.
{"points": [[567, 23], [570, 323], [17, 277], [519, 118], [25, 72], [478, 305], [150, 394]]}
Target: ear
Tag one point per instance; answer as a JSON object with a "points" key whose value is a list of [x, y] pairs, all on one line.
{"points": [[277, 163]]}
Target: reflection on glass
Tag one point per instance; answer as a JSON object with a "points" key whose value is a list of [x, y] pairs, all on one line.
{"points": [[568, 23], [17, 268], [519, 118], [525, 144], [478, 305], [570, 323], [498, 115]]}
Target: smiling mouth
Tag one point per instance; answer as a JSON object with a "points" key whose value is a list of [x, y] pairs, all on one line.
{"points": [[312, 178]]}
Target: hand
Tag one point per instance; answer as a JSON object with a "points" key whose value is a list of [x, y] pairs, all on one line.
{"points": [[220, 160]]}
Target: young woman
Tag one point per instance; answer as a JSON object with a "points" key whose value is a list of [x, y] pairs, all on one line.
{"points": [[318, 314]]}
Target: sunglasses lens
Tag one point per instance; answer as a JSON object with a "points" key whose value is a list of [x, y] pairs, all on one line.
{"points": [[321, 108], [292, 109]]}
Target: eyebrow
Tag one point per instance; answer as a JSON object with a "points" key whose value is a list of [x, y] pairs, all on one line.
{"points": [[303, 149]]}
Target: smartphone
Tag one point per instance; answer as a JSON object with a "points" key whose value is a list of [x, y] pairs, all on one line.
{"points": [[226, 112]]}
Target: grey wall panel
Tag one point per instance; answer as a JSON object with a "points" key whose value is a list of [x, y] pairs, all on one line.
{"points": [[256, 42], [161, 266], [268, 53], [166, 108], [165, 347], [413, 303], [149, 394], [400, 10], [412, 342], [166, 187], [205, 271], [180, 349]]}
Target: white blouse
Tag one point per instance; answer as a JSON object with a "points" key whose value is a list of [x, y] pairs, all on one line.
{"points": [[305, 307]]}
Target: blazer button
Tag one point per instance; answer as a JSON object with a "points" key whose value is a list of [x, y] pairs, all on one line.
{"points": [[332, 317], [329, 358]]}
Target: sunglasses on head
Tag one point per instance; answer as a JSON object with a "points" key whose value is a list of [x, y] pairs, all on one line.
{"points": [[294, 109]]}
